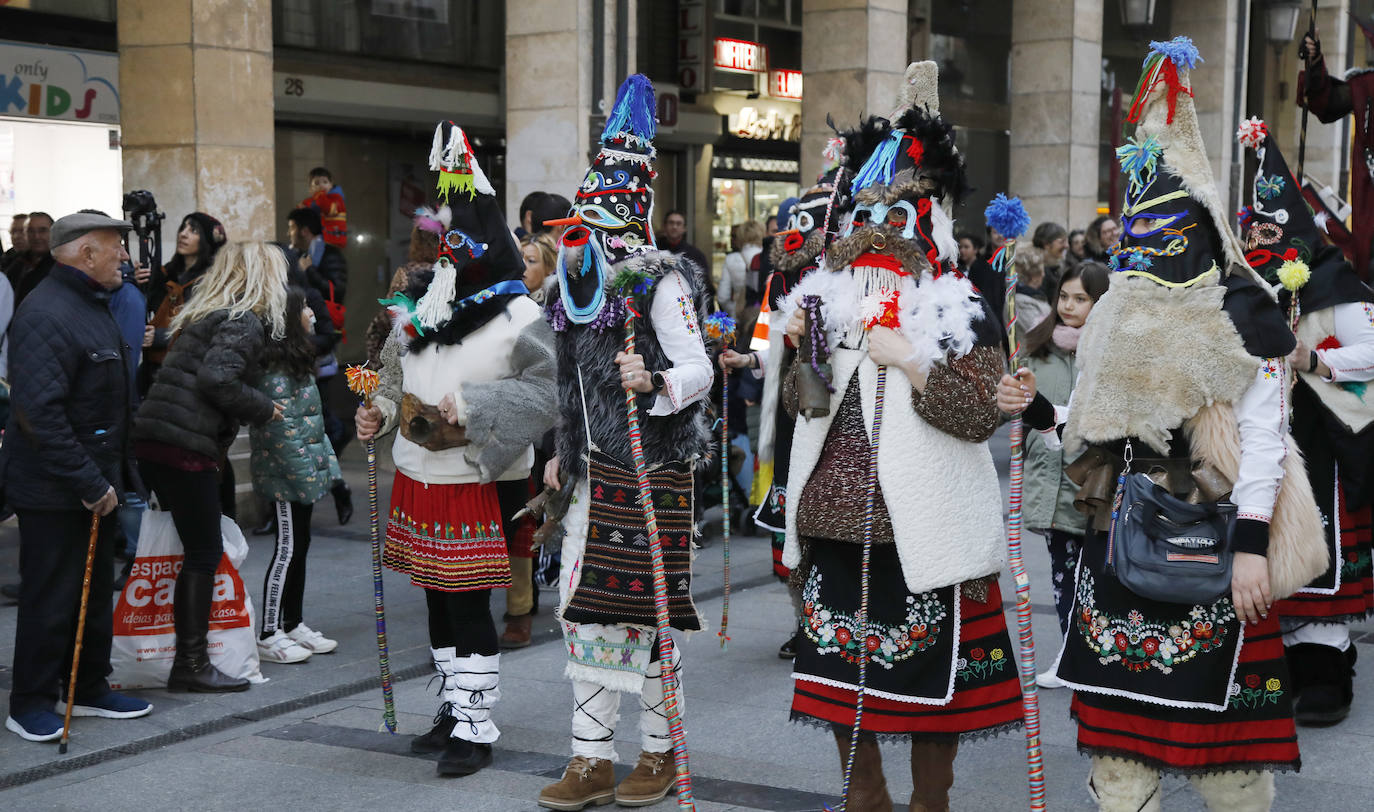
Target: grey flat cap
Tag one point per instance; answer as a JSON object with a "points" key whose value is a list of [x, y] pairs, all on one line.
{"points": [[76, 225]]}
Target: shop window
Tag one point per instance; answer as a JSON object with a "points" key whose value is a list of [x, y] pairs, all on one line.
{"points": [[470, 33]]}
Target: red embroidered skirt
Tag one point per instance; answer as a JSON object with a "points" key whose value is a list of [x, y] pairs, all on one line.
{"points": [[1354, 600], [1255, 733], [447, 537]]}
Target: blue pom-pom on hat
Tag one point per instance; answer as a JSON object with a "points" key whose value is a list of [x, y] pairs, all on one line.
{"points": [[1007, 215], [634, 110]]}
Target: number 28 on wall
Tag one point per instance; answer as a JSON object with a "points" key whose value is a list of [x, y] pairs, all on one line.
{"points": [[295, 86]]}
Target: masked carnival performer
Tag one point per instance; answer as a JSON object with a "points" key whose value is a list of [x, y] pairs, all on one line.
{"points": [[940, 664], [1334, 313], [1200, 512], [468, 379], [795, 252], [606, 594]]}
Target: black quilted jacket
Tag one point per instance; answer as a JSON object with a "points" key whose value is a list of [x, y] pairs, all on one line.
{"points": [[205, 387], [67, 436]]}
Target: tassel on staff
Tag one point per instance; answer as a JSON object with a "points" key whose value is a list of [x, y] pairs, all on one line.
{"points": [[1009, 218], [364, 382]]}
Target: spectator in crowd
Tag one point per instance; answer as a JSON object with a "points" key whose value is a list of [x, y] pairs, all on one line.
{"points": [[674, 239], [192, 413], [530, 208], [746, 241], [199, 238], [326, 198], [551, 207], [19, 244], [327, 272], [770, 226], [39, 260], [1053, 242], [1032, 304], [1077, 247], [1103, 234], [970, 246], [293, 467], [63, 460], [541, 257], [6, 313]]}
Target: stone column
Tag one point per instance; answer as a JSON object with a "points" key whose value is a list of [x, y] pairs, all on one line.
{"points": [[195, 79], [552, 119], [854, 57], [1056, 55], [1212, 27]]}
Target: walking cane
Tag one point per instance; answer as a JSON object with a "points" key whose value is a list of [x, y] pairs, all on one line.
{"points": [[1010, 220], [720, 327], [629, 282], [80, 633], [364, 382]]}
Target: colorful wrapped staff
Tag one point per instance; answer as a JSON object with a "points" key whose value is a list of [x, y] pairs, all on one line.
{"points": [[1009, 218], [887, 317], [630, 282], [364, 382], [720, 328]]}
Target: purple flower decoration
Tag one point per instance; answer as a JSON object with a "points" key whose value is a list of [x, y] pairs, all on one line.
{"points": [[556, 315]]}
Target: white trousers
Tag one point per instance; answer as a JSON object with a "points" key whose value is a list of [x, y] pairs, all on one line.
{"points": [[1122, 785], [596, 710], [1335, 635]]}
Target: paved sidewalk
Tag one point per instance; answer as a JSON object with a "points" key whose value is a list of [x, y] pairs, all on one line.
{"points": [[309, 738]]}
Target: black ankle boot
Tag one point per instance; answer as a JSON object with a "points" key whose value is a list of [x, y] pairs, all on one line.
{"points": [[437, 738], [1324, 676], [191, 668], [343, 500], [462, 757]]}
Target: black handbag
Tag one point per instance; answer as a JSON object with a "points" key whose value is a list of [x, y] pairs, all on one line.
{"points": [[1166, 549]]}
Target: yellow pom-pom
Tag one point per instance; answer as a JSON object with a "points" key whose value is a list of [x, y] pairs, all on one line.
{"points": [[1294, 273]]}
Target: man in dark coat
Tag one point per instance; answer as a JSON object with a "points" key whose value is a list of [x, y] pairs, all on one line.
{"points": [[35, 267], [1331, 99], [64, 459], [325, 271]]}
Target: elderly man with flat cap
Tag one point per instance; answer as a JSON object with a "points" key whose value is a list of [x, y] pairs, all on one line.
{"points": [[62, 461]]}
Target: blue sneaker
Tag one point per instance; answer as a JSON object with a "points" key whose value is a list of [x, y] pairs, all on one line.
{"points": [[111, 706], [36, 726]]}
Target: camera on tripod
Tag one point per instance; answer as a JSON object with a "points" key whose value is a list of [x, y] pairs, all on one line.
{"points": [[140, 208]]}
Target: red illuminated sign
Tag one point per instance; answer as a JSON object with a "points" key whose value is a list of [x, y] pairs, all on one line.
{"points": [[785, 84], [741, 55]]}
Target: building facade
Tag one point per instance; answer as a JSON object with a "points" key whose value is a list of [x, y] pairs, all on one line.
{"points": [[225, 105]]}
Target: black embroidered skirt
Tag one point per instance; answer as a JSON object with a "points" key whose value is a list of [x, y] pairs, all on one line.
{"points": [[939, 663]]}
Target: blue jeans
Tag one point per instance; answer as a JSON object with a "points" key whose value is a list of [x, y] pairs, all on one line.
{"points": [[130, 518]]}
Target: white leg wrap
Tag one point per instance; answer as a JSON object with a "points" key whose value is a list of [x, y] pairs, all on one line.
{"points": [[596, 709], [476, 689], [1335, 635], [1121, 785], [1235, 791], [653, 708]]}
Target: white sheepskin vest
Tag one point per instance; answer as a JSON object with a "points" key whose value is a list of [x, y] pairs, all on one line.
{"points": [[942, 493]]}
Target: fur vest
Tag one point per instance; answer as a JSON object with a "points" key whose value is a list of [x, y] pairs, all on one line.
{"points": [[588, 374]]}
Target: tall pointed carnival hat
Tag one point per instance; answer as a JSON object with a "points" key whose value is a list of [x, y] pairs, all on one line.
{"points": [[1175, 229], [906, 171], [1285, 242], [479, 268], [611, 218]]}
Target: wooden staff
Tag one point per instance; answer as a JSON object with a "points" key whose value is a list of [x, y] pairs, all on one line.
{"points": [[80, 633]]}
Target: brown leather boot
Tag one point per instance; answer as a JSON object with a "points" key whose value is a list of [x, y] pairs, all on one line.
{"points": [[517, 634], [867, 786], [653, 778], [586, 782], [932, 774]]}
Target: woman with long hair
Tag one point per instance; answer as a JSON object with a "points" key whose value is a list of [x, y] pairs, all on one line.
{"points": [[1051, 352], [293, 467], [191, 415], [1103, 234], [541, 255], [199, 238]]}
